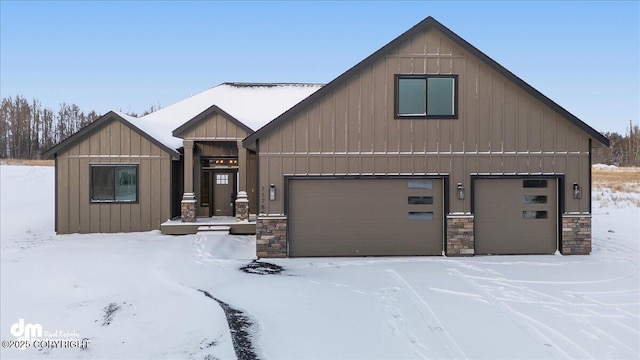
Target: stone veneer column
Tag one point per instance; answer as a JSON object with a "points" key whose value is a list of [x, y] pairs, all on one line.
{"points": [[576, 234], [271, 236], [460, 236], [242, 206], [188, 204]]}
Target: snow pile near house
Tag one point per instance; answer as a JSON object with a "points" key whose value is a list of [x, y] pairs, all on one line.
{"points": [[137, 296], [252, 104], [605, 167]]}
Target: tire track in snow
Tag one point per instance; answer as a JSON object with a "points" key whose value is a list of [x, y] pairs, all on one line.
{"points": [[241, 327], [531, 326], [592, 306], [429, 317], [387, 300]]}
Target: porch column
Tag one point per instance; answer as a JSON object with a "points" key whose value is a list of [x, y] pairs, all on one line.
{"points": [[188, 204], [242, 167], [242, 203]]}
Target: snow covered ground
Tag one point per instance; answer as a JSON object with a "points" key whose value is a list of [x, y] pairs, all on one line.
{"points": [[136, 295]]}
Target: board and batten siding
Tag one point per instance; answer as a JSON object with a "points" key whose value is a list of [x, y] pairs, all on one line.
{"points": [[215, 127], [114, 143], [501, 129]]}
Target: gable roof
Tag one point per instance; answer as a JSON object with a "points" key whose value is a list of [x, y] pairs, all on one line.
{"points": [[427, 23], [97, 125], [213, 109], [252, 104]]}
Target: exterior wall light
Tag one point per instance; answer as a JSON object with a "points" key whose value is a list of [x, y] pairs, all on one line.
{"points": [[577, 191], [460, 191], [272, 192]]}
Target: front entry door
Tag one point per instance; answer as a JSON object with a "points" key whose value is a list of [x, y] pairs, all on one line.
{"points": [[223, 195]]}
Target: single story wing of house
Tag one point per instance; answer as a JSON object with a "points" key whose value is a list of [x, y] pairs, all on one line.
{"points": [[123, 174], [426, 147]]}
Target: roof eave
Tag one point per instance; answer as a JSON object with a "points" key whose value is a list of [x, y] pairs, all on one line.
{"points": [[94, 126]]}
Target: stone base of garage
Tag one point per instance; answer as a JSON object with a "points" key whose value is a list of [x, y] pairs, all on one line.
{"points": [[576, 235], [460, 236], [271, 236]]}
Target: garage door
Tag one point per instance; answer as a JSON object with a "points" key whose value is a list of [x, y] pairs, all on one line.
{"points": [[360, 217], [515, 216]]}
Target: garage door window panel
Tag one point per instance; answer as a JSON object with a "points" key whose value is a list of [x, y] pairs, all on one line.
{"points": [[534, 214], [420, 200], [534, 183], [420, 184], [420, 215], [534, 199]]}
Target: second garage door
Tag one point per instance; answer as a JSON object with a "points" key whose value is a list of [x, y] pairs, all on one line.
{"points": [[515, 216], [361, 217]]}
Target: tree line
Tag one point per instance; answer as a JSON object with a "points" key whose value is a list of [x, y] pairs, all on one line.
{"points": [[27, 129], [623, 150]]}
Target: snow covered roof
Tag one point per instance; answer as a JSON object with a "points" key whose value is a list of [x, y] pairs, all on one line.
{"points": [[253, 104]]}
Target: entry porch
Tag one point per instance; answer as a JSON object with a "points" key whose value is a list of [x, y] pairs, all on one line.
{"points": [[225, 224]]}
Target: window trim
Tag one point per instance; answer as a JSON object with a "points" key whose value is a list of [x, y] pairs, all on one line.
{"points": [[396, 106], [114, 201]]}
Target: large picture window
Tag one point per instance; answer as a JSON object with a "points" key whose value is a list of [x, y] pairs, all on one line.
{"points": [[114, 183], [426, 96]]}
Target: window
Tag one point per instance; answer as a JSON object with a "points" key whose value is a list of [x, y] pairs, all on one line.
{"points": [[420, 215], [426, 96], [534, 199], [222, 179], [114, 183], [532, 214], [420, 200], [420, 184], [534, 183]]}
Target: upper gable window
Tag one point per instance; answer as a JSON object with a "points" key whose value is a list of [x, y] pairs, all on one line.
{"points": [[426, 96]]}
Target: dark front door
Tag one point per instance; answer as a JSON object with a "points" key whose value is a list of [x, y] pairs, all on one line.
{"points": [[218, 192]]}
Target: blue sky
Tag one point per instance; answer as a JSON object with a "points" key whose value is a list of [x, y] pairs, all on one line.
{"points": [[127, 55]]}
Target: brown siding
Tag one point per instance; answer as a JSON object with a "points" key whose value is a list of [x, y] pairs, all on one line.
{"points": [[215, 127], [501, 129], [252, 179], [218, 148], [114, 143]]}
